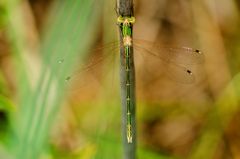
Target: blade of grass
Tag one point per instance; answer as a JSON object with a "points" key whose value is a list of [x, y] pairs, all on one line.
{"points": [[44, 102]]}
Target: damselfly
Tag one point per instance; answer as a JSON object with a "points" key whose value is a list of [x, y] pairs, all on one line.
{"points": [[177, 61]]}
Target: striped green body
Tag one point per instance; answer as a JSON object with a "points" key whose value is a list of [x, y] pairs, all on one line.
{"points": [[126, 27]]}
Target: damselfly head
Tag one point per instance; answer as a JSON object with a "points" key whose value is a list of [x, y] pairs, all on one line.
{"points": [[125, 20]]}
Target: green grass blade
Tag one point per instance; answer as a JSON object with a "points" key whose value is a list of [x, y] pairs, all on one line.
{"points": [[68, 36]]}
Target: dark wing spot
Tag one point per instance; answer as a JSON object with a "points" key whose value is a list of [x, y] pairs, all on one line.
{"points": [[189, 72], [198, 51]]}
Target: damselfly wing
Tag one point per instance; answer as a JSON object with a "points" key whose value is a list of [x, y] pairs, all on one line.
{"points": [[175, 62]]}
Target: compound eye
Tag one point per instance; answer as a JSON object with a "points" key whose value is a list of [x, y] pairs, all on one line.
{"points": [[132, 20], [120, 19]]}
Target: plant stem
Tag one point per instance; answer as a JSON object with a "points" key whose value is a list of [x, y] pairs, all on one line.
{"points": [[125, 9]]}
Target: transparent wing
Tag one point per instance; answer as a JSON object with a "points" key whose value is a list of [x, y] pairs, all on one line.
{"points": [[180, 74], [95, 68], [177, 63], [177, 55], [173, 62], [151, 68]]}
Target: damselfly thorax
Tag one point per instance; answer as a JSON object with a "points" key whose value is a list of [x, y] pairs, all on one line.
{"points": [[127, 41]]}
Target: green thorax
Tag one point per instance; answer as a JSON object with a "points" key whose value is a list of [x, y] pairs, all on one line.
{"points": [[126, 24]]}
